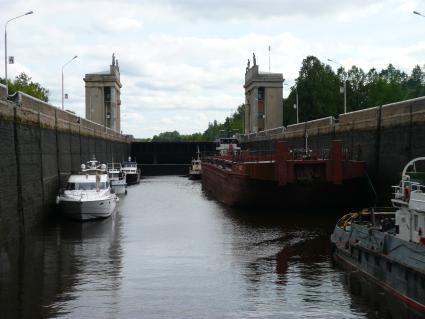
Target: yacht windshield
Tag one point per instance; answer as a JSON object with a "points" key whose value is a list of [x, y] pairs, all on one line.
{"points": [[86, 186]]}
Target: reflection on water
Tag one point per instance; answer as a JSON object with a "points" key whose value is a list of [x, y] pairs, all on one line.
{"points": [[173, 252], [40, 274]]}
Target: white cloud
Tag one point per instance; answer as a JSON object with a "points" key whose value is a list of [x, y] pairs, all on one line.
{"points": [[119, 25]]}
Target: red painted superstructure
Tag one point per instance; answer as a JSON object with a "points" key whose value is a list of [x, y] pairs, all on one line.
{"points": [[285, 178]]}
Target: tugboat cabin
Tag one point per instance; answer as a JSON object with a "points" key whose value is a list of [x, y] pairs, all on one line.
{"points": [[227, 145], [409, 198]]}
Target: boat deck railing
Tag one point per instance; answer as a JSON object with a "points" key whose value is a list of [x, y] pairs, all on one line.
{"points": [[270, 155]]}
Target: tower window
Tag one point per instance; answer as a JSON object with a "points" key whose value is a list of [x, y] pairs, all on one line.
{"points": [[261, 91]]}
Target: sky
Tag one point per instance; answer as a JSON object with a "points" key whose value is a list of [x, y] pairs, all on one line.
{"points": [[183, 63]]}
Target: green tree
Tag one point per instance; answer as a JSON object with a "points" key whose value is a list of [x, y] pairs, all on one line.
{"points": [[356, 89], [318, 93], [173, 136], [387, 86], [24, 84], [231, 126], [415, 83], [319, 96]]}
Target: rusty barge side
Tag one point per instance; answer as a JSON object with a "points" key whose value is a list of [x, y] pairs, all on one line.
{"points": [[282, 181]]}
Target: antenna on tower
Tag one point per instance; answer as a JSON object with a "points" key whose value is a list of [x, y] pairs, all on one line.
{"points": [[269, 58]]}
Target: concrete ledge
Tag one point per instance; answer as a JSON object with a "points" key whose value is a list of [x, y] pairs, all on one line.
{"points": [[391, 115], [32, 111], [296, 127], [323, 122], [359, 116]]}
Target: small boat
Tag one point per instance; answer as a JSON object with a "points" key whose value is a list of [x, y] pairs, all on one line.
{"points": [[195, 169], [132, 173], [117, 178], [389, 247], [88, 194]]}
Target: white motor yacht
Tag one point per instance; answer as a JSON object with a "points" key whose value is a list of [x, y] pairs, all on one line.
{"points": [[88, 194], [117, 178], [132, 173]]}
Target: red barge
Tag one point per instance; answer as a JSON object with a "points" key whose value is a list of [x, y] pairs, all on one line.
{"points": [[287, 179]]}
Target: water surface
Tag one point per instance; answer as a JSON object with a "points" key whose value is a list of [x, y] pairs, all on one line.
{"points": [[173, 252]]}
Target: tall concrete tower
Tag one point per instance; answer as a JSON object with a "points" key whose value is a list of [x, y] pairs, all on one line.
{"points": [[263, 99], [103, 103]]}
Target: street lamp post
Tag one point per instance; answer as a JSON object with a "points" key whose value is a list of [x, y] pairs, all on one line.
{"points": [[345, 86], [62, 75], [418, 13], [296, 96], [5, 47]]}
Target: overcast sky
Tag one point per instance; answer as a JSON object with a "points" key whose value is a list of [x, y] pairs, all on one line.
{"points": [[183, 62]]}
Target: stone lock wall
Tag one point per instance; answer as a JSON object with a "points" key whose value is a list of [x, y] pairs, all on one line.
{"points": [[386, 137], [40, 145]]}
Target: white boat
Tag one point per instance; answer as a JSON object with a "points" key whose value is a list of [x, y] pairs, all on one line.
{"points": [[389, 247], [409, 199], [117, 178], [228, 146], [195, 169], [88, 194], [132, 173]]}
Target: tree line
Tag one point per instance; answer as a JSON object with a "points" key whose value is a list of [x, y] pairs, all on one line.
{"points": [[319, 95], [320, 89]]}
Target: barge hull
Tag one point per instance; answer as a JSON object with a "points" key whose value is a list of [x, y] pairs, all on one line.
{"points": [[238, 190]]}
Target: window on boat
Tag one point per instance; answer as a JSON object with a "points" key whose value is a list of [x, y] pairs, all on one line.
{"points": [[86, 186]]}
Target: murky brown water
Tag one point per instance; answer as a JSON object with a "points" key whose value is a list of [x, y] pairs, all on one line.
{"points": [[172, 252]]}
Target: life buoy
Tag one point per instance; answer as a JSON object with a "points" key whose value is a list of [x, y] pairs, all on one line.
{"points": [[407, 193]]}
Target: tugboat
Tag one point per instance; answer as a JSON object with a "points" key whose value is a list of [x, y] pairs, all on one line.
{"points": [[389, 247], [132, 173], [88, 194], [285, 179], [117, 178], [195, 169]]}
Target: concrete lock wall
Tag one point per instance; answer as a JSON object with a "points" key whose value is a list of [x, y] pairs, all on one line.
{"points": [[40, 145], [386, 137]]}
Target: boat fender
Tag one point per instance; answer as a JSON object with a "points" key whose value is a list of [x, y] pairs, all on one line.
{"points": [[57, 200], [407, 193]]}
